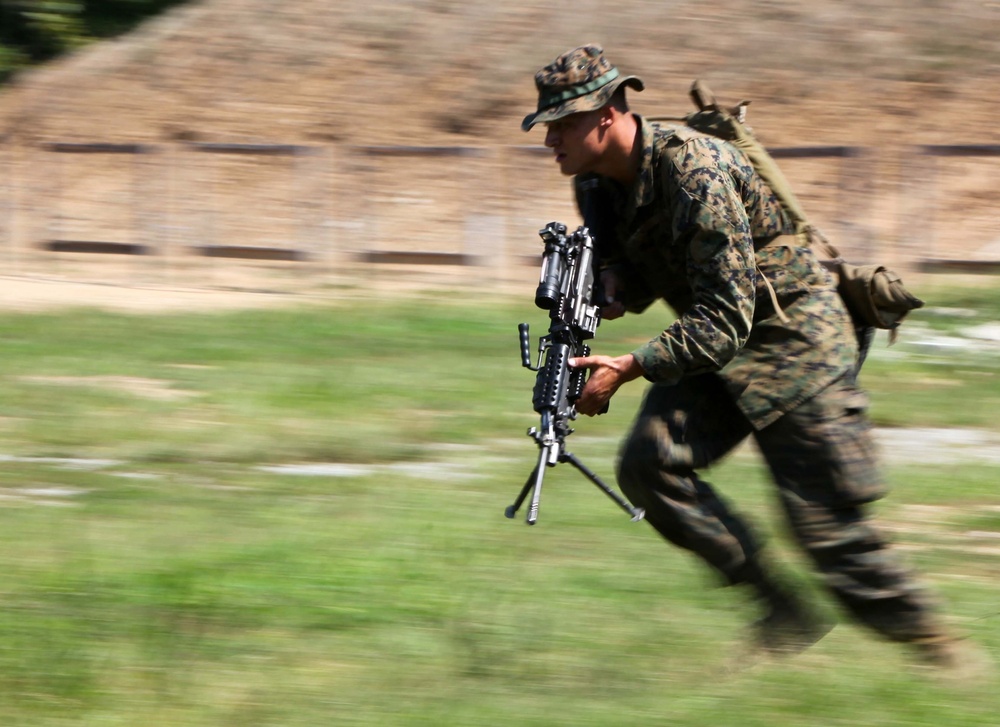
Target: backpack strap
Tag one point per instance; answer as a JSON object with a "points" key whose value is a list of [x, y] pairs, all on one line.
{"points": [[875, 296]]}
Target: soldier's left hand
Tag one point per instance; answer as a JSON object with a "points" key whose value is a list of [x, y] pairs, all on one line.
{"points": [[607, 374], [613, 308]]}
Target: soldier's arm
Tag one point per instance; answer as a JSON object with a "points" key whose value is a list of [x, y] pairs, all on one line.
{"points": [[711, 223]]}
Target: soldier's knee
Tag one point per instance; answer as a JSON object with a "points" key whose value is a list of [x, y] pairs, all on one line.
{"points": [[637, 460]]}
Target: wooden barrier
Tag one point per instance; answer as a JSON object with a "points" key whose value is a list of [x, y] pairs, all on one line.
{"points": [[58, 242], [487, 233]]}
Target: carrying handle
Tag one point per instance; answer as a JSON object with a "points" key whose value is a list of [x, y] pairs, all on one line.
{"points": [[705, 100]]}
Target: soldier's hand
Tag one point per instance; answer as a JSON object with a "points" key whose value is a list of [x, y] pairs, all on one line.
{"points": [[612, 285], [607, 374]]}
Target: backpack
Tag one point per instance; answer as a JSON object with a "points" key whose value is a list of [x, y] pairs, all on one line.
{"points": [[873, 294]]}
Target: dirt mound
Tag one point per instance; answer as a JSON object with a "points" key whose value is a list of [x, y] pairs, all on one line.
{"points": [[883, 75], [447, 72]]}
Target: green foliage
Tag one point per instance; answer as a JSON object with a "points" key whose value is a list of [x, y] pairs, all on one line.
{"points": [[35, 31], [186, 581]]}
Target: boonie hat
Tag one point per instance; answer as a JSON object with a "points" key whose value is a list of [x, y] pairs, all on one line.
{"points": [[581, 79]]}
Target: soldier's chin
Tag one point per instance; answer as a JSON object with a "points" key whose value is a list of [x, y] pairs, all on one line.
{"points": [[565, 166]]}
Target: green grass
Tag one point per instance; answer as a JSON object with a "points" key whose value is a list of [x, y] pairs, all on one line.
{"points": [[186, 582], [929, 378]]}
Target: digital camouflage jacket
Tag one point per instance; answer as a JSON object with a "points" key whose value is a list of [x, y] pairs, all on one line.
{"points": [[702, 231]]}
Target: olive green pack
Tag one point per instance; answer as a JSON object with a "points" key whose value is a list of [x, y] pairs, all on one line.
{"points": [[874, 295]]}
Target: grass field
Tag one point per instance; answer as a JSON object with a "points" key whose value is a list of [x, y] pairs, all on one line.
{"points": [[295, 517]]}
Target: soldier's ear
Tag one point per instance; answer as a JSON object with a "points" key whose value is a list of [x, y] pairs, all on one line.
{"points": [[608, 114]]}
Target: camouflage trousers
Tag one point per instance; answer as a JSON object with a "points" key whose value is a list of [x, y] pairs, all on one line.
{"points": [[822, 460]]}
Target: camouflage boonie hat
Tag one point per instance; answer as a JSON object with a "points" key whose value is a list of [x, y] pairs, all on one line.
{"points": [[579, 80]]}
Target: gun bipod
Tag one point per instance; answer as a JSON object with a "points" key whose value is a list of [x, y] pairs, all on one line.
{"points": [[546, 459]]}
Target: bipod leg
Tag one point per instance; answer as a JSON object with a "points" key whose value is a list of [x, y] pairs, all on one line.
{"points": [[511, 510], [637, 513], [533, 485]]}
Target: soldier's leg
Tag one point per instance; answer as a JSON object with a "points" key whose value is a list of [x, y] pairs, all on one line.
{"points": [[678, 430], [822, 458]]}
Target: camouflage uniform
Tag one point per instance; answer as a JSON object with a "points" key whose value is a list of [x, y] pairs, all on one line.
{"points": [[762, 346]]}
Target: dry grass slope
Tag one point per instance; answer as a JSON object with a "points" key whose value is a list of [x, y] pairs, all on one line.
{"points": [[882, 74], [442, 71]]}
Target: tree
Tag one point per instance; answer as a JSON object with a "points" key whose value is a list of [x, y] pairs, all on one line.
{"points": [[35, 31]]}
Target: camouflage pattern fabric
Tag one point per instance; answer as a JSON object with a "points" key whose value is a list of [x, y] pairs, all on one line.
{"points": [[698, 230], [821, 458], [682, 428], [579, 80]]}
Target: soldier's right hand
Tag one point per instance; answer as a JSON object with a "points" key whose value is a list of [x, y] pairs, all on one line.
{"points": [[612, 308]]}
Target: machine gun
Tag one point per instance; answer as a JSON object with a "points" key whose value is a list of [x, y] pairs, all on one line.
{"points": [[566, 289]]}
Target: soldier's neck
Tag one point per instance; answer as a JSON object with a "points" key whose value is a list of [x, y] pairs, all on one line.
{"points": [[624, 151]]}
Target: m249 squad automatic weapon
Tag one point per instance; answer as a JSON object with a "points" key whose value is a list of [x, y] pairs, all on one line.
{"points": [[566, 289]]}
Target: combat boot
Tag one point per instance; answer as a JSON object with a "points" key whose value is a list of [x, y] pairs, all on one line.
{"points": [[788, 628], [953, 656], [788, 625]]}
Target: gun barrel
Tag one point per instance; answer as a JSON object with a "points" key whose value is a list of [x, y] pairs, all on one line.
{"points": [[534, 486], [536, 489]]}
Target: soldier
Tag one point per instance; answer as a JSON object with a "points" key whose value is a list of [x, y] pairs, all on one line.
{"points": [[762, 346]]}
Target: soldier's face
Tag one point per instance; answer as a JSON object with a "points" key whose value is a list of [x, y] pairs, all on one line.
{"points": [[576, 141]]}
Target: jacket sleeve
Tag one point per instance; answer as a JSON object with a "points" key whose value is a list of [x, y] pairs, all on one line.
{"points": [[710, 223]]}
